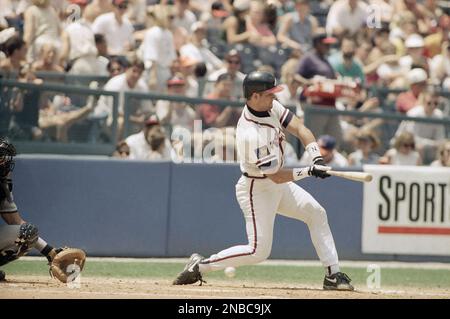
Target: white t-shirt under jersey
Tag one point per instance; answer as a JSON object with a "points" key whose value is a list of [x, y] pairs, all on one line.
{"points": [[260, 140]]}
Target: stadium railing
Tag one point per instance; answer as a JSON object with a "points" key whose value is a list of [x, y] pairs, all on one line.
{"points": [[94, 146], [89, 145]]}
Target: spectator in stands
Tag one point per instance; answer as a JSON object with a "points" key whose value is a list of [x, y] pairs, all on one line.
{"points": [[270, 16], [41, 25], [15, 50], [197, 48], [371, 58], [176, 114], [137, 13], [403, 152], [443, 155], [101, 45], [256, 24], [417, 79], [297, 28], [97, 8], [150, 143], [427, 136], [236, 25], [116, 28], [232, 67], [122, 150], [22, 120], [418, 10], [402, 26], [116, 66], [12, 13], [48, 55], [415, 54], [315, 63], [379, 39], [363, 51], [183, 18], [434, 41], [290, 96], [283, 7], [214, 115], [5, 35], [214, 20], [158, 49], [385, 8], [390, 72], [204, 8], [327, 146], [345, 63], [129, 81], [440, 67], [187, 68], [314, 66], [79, 50], [57, 116], [346, 17], [367, 143]]}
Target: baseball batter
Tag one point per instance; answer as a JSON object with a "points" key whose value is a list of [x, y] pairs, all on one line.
{"points": [[266, 188], [17, 237]]}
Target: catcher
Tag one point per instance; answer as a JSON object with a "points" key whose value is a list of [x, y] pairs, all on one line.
{"points": [[18, 237]]}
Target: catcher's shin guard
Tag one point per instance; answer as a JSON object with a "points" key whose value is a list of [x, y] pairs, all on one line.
{"points": [[21, 243]]}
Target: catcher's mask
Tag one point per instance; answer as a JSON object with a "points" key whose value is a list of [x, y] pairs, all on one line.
{"points": [[7, 153]]}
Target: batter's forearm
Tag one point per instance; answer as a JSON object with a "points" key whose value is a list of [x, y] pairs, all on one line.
{"points": [[305, 135], [285, 175], [12, 219]]}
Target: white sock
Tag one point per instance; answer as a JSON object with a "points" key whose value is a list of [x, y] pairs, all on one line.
{"points": [[332, 269]]}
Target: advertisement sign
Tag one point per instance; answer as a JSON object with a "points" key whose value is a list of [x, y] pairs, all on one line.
{"points": [[406, 210]]}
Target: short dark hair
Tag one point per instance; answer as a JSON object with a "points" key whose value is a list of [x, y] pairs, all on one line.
{"points": [[99, 38], [117, 59], [135, 62], [200, 70], [12, 44], [224, 77]]}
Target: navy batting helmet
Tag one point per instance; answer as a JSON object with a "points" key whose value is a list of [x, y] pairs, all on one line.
{"points": [[257, 82]]}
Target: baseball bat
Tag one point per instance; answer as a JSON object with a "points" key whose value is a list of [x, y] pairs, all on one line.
{"points": [[354, 176]]}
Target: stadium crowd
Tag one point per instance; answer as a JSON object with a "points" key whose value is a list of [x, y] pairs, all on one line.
{"points": [[204, 48]]}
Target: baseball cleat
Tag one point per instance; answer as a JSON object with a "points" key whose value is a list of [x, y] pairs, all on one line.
{"points": [[191, 273], [2, 275], [337, 281]]}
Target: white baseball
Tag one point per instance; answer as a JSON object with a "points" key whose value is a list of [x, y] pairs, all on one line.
{"points": [[230, 272]]}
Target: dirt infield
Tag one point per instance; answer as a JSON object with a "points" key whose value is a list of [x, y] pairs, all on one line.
{"points": [[30, 287]]}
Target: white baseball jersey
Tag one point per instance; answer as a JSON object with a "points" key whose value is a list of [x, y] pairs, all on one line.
{"points": [[260, 139]]}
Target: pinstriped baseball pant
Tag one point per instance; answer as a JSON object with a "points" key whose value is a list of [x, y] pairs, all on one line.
{"points": [[260, 201]]}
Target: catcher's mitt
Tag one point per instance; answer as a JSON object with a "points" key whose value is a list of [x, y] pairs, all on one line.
{"points": [[67, 264]]}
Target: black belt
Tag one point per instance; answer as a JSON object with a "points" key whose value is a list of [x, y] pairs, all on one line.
{"points": [[257, 177]]}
